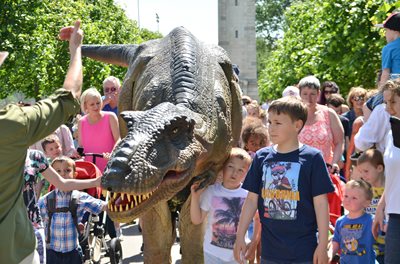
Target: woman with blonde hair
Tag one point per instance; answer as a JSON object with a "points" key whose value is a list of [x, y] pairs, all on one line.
{"points": [[98, 130]]}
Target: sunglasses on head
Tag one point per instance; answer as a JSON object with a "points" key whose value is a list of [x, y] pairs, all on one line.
{"points": [[110, 89]]}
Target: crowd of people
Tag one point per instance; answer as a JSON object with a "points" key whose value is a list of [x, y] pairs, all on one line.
{"points": [[273, 203]]}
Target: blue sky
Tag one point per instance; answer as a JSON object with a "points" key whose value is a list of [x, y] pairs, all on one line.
{"points": [[198, 16]]}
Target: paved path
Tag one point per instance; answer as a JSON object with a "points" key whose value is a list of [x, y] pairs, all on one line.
{"points": [[131, 244]]}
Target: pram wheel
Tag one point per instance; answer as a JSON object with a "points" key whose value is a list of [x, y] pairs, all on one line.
{"points": [[115, 251]]}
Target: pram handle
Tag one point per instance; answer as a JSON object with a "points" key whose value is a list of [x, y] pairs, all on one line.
{"points": [[81, 152]]}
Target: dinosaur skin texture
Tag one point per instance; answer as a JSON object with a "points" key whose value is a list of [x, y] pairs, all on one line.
{"points": [[181, 107]]}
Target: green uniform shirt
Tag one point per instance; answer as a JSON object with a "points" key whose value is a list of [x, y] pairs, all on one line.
{"points": [[20, 127]]}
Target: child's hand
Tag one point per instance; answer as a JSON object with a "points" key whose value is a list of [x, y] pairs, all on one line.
{"points": [[320, 255], [251, 250], [378, 223], [195, 191], [239, 251]]}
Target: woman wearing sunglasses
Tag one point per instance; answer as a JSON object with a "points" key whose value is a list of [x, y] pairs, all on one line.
{"points": [[111, 89]]}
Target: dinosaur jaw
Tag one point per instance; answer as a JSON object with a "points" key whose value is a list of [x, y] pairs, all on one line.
{"points": [[125, 207]]}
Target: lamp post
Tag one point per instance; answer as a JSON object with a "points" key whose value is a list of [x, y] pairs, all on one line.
{"points": [[158, 22], [138, 13]]}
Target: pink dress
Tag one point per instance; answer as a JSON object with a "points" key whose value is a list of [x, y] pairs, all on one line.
{"points": [[319, 135], [97, 138]]}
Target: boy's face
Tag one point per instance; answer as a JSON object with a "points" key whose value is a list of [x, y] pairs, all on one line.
{"points": [[281, 128], [53, 150], [234, 172], [370, 173], [392, 101], [354, 199], [65, 169], [391, 35]]}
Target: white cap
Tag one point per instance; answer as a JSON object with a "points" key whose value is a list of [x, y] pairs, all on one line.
{"points": [[291, 91]]}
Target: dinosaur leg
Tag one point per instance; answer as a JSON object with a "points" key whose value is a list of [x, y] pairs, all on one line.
{"points": [[191, 237], [158, 234]]}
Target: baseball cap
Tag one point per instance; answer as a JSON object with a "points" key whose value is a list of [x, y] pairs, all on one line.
{"points": [[3, 56], [392, 22]]}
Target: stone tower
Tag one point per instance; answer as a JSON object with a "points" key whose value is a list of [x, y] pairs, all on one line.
{"points": [[237, 35]]}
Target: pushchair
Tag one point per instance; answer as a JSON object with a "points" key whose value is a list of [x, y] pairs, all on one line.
{"points": [[92, 239]]}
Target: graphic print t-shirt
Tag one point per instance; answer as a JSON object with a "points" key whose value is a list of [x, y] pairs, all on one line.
{"points": [[224, 207], [286, 184], [355, 239]]}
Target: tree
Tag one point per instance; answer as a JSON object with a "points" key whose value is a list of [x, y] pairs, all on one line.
{"points": [[38, 61], [334, 40]]}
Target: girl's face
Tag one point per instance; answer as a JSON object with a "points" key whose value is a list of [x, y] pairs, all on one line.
{"points": [[92, 105], [255, 143], [309, 96], [392, 101], [370, 173]]}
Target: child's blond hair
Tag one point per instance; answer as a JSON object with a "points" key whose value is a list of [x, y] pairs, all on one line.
{"points": [[362, 185], [372, 156], [240, 154], [66, 159]]}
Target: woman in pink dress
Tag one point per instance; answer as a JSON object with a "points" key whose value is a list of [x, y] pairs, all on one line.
{"points": [[98, 130], [323, 129]]}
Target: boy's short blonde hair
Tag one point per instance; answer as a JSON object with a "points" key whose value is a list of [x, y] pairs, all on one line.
{"points": [[240, 154], [373, 156], [363, 185], [89, 92], [291, 106], [53, 138], [65, 159]]}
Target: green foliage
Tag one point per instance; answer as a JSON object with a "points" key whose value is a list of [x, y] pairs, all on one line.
{"points": [[38, 61], [334, 40]]}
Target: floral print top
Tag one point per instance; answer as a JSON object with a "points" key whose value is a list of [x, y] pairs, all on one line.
{"points": [[35, 163]]}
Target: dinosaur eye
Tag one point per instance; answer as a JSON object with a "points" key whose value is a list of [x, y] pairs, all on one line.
{"points": [[175, 131]]}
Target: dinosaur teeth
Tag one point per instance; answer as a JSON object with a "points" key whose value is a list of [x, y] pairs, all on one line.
{"points": [[127, 207], [129, 198], [109, 206], [114, 195], [122, 196], [120, 208]]}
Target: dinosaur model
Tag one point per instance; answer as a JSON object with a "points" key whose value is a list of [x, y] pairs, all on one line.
{"points": [[181, 105]]}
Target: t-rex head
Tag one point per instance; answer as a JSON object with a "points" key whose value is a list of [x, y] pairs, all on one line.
{"points": [[181, 102], [156, 158]]}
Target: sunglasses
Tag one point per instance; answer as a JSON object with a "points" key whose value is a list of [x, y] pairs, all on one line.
{"points": [[110, 90], [329, 92], [358, 98]]}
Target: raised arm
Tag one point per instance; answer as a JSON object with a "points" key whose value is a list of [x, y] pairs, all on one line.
{"points": [[69, 184], [73, 79]]}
